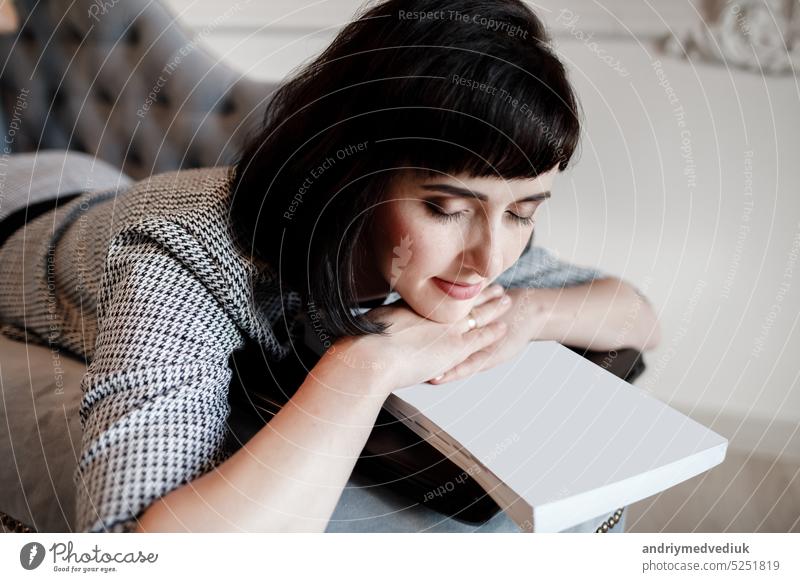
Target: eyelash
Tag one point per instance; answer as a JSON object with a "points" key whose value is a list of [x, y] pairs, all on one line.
{"points": [[445, 217]]}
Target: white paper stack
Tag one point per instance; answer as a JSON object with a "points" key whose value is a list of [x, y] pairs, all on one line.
{"points": [[557, 440]]}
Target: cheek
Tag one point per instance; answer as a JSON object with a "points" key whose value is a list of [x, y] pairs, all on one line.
{"points": [[420, 246], [513, 251]]}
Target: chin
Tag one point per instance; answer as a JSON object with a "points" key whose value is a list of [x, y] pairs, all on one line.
{"points": [[437, 306]]}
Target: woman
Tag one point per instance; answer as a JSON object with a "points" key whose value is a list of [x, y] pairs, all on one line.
{"points": [[401, 169]]}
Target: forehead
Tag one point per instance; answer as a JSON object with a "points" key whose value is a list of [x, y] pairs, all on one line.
{"points": [[494, 187]]}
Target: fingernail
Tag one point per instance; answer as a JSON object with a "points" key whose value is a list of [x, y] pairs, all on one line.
{"points": [[505, 300], [439, 377]]}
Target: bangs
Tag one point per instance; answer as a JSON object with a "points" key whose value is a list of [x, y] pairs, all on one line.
{"points": [[481, 117]]}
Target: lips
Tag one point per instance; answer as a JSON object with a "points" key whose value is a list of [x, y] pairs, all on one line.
{"points": [[456, 290]]}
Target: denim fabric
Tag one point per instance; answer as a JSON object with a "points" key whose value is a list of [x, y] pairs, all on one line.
{"points": [[364, 507]]}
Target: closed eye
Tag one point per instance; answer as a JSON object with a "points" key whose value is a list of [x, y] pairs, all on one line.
{"points": [[437, 213], [524, 220]]}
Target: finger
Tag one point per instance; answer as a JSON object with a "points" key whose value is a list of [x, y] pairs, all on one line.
{"points": [[484, 359], [474, 363], [477, 340], [488, 294], [481, 337], [486, 313], [491, 359]]}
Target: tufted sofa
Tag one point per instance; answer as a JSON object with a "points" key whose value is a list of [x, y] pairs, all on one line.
{"points": [[123, 81]]}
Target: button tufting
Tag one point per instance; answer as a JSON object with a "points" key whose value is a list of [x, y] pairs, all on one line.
{"points": [[226, 106], [133, 35]]}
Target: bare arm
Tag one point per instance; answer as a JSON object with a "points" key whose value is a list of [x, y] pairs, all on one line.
{"points": [[605, 314], [290, 475]]}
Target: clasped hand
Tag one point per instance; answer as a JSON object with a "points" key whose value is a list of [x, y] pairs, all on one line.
{"points": [[491, 308], [416, 349]]}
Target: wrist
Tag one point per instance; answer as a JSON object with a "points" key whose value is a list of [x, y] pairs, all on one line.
{"points": [[352, 359], [544, 318]]}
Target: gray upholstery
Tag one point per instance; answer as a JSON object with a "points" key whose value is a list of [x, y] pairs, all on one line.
{"points": [[42, 439], [126, 83]]}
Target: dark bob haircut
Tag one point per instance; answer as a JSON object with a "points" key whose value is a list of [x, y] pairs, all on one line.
{"points": [[424, 86]]}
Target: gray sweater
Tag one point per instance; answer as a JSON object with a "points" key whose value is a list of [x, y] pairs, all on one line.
{"points": [[145, 285]]}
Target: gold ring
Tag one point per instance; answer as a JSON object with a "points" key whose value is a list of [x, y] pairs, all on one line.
{"points": [[472, 322]]}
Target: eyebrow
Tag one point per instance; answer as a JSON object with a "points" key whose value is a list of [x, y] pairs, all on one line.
{"points": [[466, 193]]}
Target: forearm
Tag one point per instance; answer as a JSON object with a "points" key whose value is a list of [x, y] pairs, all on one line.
{"points": [[290, 475], [606, 314]]}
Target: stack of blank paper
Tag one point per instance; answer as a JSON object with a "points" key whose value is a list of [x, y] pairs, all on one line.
{"points": [[555, 439]]}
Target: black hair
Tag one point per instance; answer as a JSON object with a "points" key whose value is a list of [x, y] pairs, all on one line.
{"points": [[427, 86]]}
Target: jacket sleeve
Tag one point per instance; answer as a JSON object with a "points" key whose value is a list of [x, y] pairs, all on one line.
{"points": [[539, 268], [154, 407]]}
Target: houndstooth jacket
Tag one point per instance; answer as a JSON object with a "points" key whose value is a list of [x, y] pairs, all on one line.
{"points": [[144, 283]]}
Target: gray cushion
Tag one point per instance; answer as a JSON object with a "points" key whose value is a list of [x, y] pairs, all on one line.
{"points": [[40, 435]]}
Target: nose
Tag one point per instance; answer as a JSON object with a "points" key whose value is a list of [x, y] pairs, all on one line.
{"points": [[484, 254]]}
